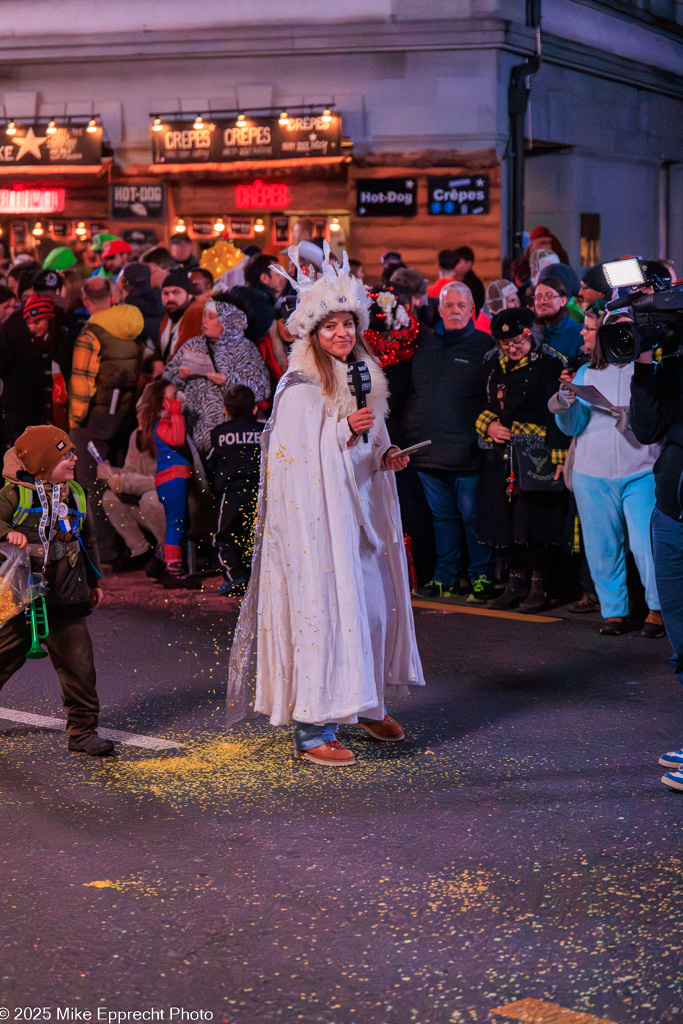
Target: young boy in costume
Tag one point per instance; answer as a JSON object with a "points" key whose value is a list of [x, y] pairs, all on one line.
{"points": [[42, 507], [235, 461]]}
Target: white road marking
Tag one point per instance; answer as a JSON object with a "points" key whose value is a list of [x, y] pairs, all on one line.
{"points": [[130, 739]]}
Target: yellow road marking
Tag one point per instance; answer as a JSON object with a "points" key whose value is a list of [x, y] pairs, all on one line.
{"points": [[460, 609], [537, 1011]]}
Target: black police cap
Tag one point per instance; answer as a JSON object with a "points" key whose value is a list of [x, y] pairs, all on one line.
{"points": [[509, 323]]}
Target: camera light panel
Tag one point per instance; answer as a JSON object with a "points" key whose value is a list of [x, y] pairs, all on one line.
{"points": [[624, 273]]}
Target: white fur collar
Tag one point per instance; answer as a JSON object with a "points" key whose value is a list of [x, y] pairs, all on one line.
{"points": [[342, 400]]}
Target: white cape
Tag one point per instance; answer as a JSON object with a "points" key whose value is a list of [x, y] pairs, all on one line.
{"points": [[327, 512]]}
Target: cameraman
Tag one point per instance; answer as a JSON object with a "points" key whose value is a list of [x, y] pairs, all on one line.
{"points": [[657, 414]]}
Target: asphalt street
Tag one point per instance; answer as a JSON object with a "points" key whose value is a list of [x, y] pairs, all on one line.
{"points": [[516, 855]]}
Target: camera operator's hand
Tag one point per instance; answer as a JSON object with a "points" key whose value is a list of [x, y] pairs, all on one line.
{"points": [[646, 356]]}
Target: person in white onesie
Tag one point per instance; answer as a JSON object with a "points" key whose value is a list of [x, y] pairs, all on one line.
{"points": [[326, 629]]}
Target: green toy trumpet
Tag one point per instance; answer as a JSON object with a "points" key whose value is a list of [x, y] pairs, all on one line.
{"points": [[37, 617]]}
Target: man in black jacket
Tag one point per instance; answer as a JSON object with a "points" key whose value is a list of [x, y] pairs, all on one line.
{"points": [[447, 393], [657, 414]]}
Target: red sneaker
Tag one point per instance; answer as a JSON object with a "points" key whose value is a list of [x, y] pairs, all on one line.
{"points": [[330, 755], [388, 730]]}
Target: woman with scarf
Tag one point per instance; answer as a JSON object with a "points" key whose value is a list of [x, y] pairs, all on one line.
{"points": [[206, 366], [326, 628]]}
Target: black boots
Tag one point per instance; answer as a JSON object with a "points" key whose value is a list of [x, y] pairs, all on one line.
{"points": [[516, 591], [537, 601]]}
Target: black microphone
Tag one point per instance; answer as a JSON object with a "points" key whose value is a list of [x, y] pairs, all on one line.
{"points": [[360, 384], [623, 302]]}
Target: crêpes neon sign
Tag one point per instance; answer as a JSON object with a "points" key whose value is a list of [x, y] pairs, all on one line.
{"points": [[261, 196], [32, 200]]}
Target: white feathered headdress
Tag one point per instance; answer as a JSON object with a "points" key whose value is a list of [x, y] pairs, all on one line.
{"points": [[333, 292]]}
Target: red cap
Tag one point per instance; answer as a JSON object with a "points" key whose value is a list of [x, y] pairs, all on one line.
{"points": [[114, 247], [540, 231], [38, 307]]}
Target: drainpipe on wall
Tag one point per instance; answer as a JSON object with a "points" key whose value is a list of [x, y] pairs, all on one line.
{"points": [[518, 100]]}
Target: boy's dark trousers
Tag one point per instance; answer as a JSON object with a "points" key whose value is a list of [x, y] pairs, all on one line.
{"points": [[234, 536], [70, 649]]}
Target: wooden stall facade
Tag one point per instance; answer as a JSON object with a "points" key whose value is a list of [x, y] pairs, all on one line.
{"points": [[421, 237]]}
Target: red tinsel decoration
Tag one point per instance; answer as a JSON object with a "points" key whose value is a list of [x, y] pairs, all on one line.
{"points": [[397, 346]]}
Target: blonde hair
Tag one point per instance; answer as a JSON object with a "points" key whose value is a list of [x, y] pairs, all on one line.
{"points": [[324, 362]]}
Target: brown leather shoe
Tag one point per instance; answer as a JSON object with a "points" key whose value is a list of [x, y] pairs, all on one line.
{"points": [[388, 730], [330, 755]]}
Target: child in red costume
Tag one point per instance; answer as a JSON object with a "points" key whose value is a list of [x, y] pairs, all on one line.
{"points": [[161, 415]]}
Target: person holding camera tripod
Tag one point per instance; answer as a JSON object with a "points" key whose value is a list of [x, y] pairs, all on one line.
{"points": [[657, 415]]}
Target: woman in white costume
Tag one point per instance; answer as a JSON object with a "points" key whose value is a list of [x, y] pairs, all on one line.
{"points": [[326, 629]]}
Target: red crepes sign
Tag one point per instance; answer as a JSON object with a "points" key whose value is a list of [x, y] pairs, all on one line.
{"points": [[261, 196], [32, 200]]}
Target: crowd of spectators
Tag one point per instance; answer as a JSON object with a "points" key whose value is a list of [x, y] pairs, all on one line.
{"points": [[527, 494]]}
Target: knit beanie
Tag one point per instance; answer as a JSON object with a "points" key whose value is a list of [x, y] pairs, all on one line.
{"points": [[594, 277], [38, 307], [561, 272], [40, 449], [178, 278], [540, 231]]}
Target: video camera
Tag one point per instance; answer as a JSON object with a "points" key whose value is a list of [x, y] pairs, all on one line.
{"points": [[657, 317]]}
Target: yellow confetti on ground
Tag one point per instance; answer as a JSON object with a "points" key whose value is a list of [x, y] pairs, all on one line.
{"points": [[136, 883], [249, 770]]}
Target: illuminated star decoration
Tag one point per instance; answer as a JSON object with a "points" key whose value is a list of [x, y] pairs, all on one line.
{"points": [[30, 143]]}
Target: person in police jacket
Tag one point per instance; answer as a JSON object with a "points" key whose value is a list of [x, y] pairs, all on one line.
{"points": [[234, 460]]}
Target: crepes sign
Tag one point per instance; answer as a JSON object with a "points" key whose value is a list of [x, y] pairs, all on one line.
{"points": [[223, 140], [458, 196]]}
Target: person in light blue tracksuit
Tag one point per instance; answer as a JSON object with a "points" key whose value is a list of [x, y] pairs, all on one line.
{"points": [[613, 483]]}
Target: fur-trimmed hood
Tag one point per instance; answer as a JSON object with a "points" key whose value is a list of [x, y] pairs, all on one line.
{"points": [[342, 400]]}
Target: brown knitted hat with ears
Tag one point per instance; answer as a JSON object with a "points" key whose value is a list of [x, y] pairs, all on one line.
{"points": [[41, 448]]}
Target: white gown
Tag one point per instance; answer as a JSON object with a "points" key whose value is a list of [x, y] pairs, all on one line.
{"points": [[327, 617]]}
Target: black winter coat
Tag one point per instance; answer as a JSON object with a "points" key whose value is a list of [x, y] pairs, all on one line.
{"points": [[521, 395], [26, 371], [657, 414], [447, 393]]}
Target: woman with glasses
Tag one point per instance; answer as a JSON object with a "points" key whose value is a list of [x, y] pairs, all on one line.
{"points": [[613, 482], [559, 332]]}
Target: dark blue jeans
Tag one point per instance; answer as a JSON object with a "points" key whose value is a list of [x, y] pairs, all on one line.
{"points": [[453, 498], [667, 547]]}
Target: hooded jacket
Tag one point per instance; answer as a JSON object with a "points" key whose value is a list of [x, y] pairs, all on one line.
{"points": [[235, 357], [106, 357]]}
